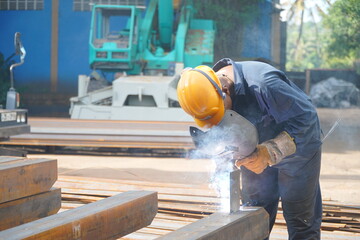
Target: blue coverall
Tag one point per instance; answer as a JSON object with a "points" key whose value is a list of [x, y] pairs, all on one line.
{"points": [[266, 97]]}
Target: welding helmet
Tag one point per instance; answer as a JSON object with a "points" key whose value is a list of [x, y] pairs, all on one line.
{"points": [[200, 95]]}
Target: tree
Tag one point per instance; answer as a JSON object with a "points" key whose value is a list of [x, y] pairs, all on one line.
{"points": [[343, 22], [310, 45], [299, 13]]}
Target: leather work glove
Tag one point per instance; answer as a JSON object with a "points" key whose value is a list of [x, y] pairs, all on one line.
{"points": [[268, 153], [257, 161]]}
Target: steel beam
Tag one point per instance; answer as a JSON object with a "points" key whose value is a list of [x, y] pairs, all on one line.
{"points": [[8, 131], [27, 209], [110, 218], [25, 177], [247, 224]]}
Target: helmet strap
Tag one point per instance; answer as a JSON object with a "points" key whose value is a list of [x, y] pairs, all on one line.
{"points": [[218, 89]]}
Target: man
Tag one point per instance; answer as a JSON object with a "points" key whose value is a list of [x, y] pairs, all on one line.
{"points": [[286, 163]]}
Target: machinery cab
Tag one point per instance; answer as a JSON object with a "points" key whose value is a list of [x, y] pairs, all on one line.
{"points": [[124, 38], [114, 35]]}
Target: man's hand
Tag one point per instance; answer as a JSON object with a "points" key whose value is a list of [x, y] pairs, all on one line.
{"points": [[270, 152], [257, 161]]}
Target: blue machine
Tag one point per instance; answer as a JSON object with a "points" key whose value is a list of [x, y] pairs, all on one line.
{"points": [[147, 51], [122, 40]]}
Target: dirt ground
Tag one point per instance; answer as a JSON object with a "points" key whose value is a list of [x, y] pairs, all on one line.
{"points": [[340, 173]]}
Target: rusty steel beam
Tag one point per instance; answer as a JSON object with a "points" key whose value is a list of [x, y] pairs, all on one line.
{"points": [[109, 218], [27, 209], [249, 224], [22, 177]]}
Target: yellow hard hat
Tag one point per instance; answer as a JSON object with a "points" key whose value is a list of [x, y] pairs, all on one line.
{"points": [[200, 95]]}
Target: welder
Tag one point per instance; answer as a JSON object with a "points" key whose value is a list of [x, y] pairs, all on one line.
{"points": [[286, 163]]}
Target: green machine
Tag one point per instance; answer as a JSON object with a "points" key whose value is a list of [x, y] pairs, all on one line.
{"points": [[147, 48]]}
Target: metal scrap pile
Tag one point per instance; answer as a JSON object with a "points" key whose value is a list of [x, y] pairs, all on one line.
{"points": [[335, 93]]}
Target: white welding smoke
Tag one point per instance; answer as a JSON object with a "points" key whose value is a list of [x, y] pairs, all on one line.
{"points": [[219, 178], [220, 181], [215, 148]]}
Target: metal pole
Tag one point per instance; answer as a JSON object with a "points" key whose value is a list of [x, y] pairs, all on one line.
{"points": [[54, 45], [234, 191]]}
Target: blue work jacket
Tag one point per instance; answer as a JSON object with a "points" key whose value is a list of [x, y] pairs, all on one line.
{"points": [[269, 100]]}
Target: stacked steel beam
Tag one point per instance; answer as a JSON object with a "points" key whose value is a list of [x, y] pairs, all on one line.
{"points": [[181, 204]]}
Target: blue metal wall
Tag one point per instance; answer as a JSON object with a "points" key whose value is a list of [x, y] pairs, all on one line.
{"points": [[35, 27], [74, 30], [257, 35], [73, 34]]}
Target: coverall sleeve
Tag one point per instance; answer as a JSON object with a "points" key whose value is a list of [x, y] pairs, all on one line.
{"points": [[287, 104]]}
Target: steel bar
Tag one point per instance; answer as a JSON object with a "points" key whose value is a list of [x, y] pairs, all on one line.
{"points": [[234, 191], [109, 218], [175, 209], [24, 177], [27, 209], [136, 134], [249, 224], [8, 131], [104, 133]]}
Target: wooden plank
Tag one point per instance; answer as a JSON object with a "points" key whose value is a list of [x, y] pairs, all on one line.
{"points": [[27, 209], [26, 177], [109, 218], [250, 223]]}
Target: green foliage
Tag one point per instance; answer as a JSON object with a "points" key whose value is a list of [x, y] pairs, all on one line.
{"points": [[308, 51], [343, 21], [230, 18], [332, 43]]}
